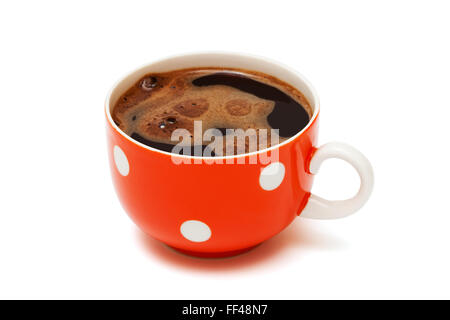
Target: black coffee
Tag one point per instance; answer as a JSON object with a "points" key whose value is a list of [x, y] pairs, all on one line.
{"points": [[224, 99]]}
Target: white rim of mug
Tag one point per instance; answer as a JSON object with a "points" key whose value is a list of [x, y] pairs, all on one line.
{"points": [[236, 54]]}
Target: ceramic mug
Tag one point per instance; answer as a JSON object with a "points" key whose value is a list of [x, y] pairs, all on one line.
{"points": [[221, 209]]}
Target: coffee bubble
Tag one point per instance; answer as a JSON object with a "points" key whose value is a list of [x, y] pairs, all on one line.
{"points": [[149, 83]]}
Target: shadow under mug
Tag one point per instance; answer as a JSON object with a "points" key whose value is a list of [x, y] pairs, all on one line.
{"points": [[210, 209]]}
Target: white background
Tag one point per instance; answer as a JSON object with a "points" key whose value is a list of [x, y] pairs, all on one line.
{"points": [[382, 71]]}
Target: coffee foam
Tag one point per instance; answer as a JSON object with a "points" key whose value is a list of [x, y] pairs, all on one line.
{"points": [[160, 103]]}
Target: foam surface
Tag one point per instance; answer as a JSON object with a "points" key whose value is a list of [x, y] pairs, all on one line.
{"points": [[160, 103]]}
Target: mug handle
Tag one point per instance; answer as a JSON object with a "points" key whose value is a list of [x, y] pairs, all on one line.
{"points": [[319, 208]]}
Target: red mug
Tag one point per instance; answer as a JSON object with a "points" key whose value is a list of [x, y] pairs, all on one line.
{"points": [[215, 209]]}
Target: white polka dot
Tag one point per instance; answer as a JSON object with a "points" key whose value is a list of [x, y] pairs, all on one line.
{"points": [[121, 161], [272, 176], [195, 231]]}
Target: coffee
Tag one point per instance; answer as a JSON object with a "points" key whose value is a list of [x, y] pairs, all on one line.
{"points": [[155, 107]]}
